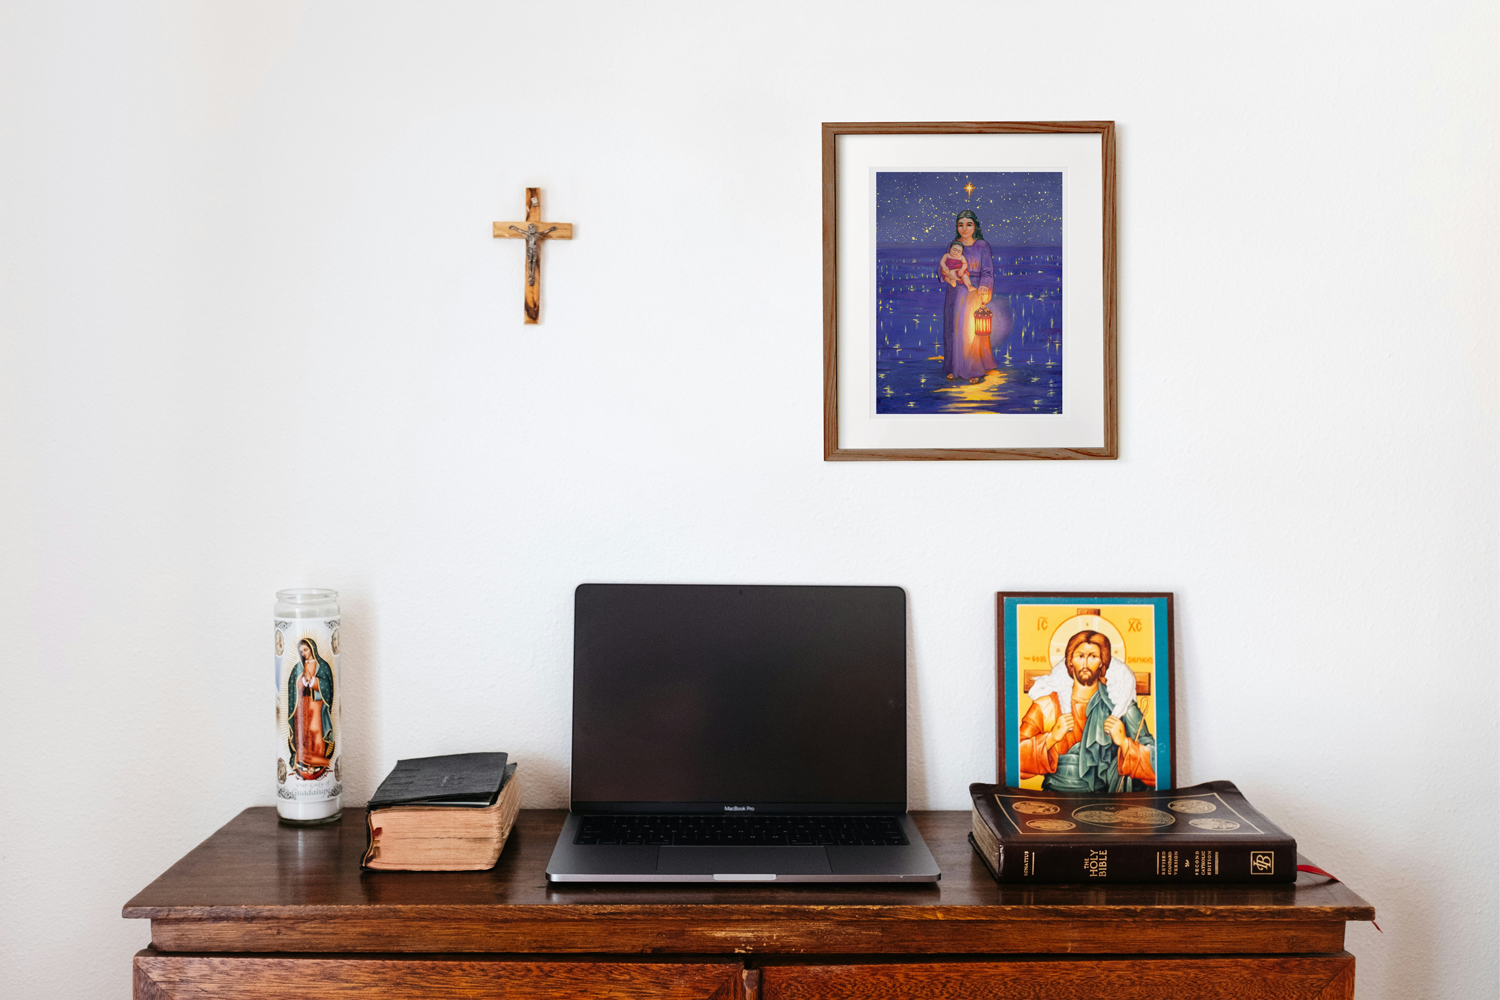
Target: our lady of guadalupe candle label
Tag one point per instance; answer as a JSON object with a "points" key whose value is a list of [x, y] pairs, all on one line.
{"points": [[307, 709]]}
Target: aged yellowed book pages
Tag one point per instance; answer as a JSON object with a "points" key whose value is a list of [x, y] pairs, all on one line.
{"points": [[442, 838]]}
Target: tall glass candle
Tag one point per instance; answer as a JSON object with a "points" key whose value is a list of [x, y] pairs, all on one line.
{"points": [[309, 774]]}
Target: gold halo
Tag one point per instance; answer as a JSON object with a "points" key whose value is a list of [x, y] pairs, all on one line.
{"points": [[1085, 623]]}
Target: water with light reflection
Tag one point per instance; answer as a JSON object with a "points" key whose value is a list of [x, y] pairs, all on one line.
{"points": [[909, 335]]}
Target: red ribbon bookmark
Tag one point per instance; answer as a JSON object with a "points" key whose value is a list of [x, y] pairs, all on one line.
{"points": [[1315, 870], [1318, 871]]}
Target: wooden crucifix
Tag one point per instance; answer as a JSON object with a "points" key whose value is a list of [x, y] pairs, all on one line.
{"points": [[533, 231]]}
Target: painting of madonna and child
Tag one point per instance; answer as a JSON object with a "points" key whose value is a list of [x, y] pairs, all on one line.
{"points": [[956, 252], [1086, 692]]}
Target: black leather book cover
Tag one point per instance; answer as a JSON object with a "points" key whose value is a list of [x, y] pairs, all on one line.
{"points": [[1205, 833], [457, 779]]}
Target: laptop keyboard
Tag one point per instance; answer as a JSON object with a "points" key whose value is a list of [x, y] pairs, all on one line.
{"points": [[727, 829]]}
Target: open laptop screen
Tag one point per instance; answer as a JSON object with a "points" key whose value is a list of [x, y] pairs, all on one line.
{"points": [[739, 698]]}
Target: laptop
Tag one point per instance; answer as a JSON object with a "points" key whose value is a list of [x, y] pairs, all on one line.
{"points": [[739, 734]]}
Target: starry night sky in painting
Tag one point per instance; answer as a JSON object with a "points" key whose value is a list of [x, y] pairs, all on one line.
{"points": [[1020, 214], [1014, 209]]}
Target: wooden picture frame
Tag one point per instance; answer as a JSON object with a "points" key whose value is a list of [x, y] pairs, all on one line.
{"points": [[1034, 635], [913, 371]]}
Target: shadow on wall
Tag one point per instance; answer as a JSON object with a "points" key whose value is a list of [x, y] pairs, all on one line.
{"points": [[545, 785], [360, 698], [916, 750]]}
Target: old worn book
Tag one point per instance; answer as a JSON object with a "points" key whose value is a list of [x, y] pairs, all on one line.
{"points": [[439, 818], [1206, 833]]}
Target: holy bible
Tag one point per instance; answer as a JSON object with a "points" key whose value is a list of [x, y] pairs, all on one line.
{"points": [[1206, 833], [450, 813]]}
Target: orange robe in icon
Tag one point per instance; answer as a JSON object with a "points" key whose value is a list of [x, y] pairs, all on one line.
{"points": [[307, 728], [1133, 759]]}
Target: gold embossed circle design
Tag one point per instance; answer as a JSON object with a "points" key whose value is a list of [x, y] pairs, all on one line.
{"points": [[1191, 806], [1214, 823], [1051, 825], [1110, 814]]}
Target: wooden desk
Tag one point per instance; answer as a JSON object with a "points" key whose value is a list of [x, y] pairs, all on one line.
{"points": [[263, 910]]}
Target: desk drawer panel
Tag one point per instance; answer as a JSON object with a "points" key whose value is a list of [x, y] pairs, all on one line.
{"points": [[231, 977], [1302, 977]]}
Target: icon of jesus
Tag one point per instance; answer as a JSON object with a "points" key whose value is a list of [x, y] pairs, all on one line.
{"points": [[1084, 731]]}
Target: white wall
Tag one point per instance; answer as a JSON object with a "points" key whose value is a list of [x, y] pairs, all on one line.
{"points": [[254, 333]]}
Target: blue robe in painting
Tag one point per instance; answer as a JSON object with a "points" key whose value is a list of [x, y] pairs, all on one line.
{"points": [[965, 355]]}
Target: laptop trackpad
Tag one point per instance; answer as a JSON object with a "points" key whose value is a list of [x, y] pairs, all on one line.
{"points": [[746, 860]]}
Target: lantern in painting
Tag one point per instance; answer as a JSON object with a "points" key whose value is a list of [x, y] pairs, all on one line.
{"points": [[983, 318]]}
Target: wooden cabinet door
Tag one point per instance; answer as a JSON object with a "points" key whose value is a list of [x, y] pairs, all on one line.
{"points": [[1287, 977], [232, 977]]}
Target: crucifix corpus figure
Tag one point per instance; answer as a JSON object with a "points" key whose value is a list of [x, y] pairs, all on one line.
{"points": [[533, 231]]}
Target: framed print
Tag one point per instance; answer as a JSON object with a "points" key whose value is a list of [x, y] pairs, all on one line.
{"points": [[968, 290], [1084, 692]]}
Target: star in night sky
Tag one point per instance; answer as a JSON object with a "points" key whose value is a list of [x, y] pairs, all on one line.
{"points": [[1014, 209]]}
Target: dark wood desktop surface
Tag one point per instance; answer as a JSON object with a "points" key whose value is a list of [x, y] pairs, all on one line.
{"points": [[257, 886]]}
